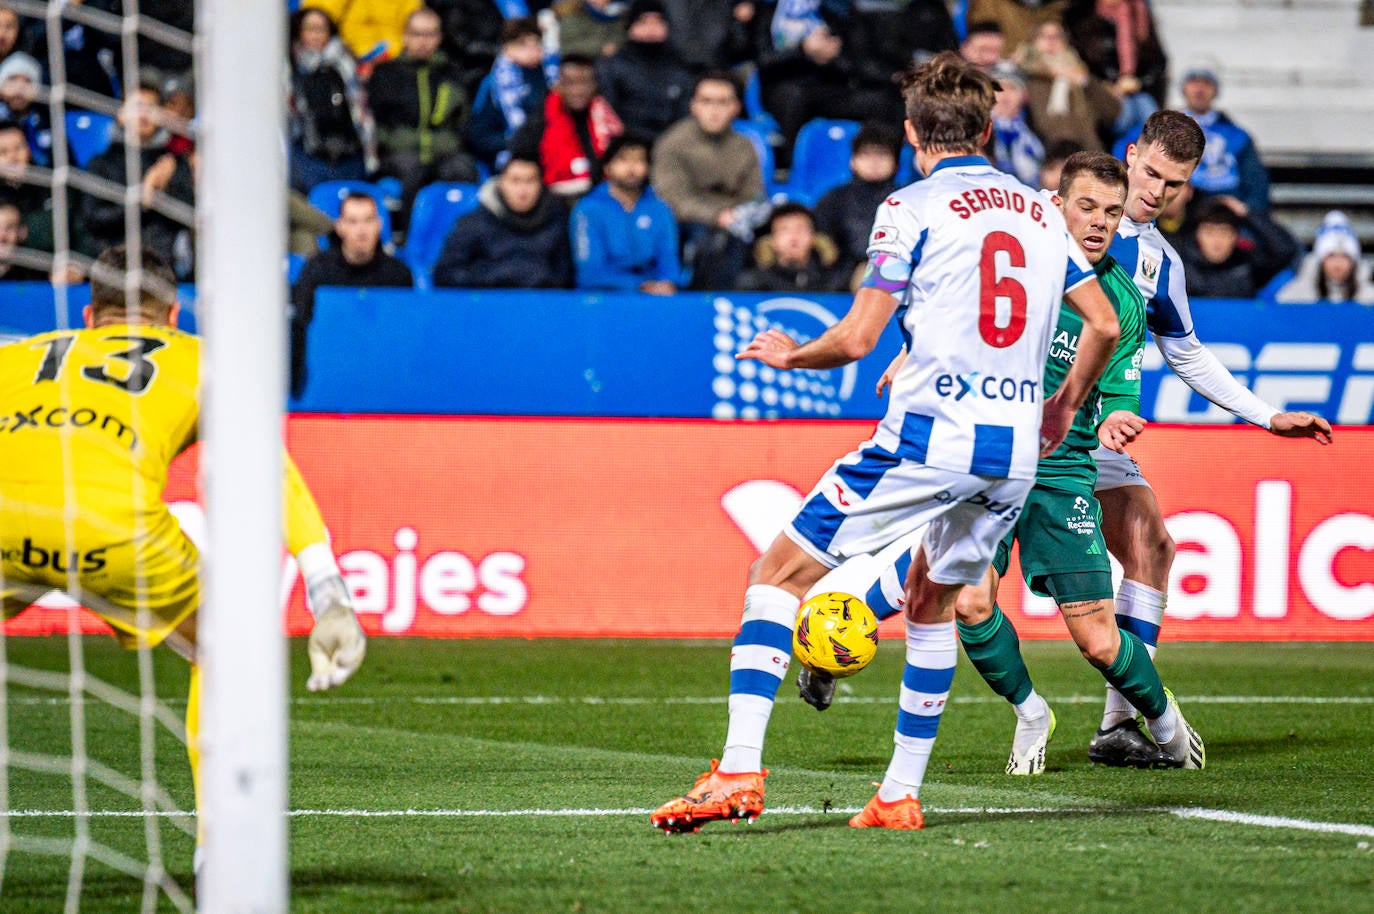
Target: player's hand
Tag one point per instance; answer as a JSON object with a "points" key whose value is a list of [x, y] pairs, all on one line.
{"points": [[1054, 424], [337, 643], [1301, 425], [891, 370], [771, 347], [1119, 429]]}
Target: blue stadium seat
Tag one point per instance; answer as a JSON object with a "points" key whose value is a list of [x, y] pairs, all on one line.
{"points": [[758, 135], [328, 197], [437, 208], [820, 158], [88, 134], [294, 264]]}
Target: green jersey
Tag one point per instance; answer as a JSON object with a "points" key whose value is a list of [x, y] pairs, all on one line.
{"points": [[1071, 466]]}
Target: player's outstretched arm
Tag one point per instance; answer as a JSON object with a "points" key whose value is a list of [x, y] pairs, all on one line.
{"points": [[848, 340], [1096, 342]]}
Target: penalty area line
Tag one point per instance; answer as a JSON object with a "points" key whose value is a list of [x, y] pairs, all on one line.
{"points": [[1183, 812]]}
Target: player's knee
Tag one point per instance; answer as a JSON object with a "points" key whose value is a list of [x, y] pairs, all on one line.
{"points": [[973, 605], [1099, 646]]}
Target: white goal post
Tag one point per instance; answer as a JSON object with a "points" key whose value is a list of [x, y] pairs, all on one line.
{"points": [[241, 204]]}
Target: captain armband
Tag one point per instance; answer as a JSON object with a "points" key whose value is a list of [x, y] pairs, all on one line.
{"points": [[886, 272]]}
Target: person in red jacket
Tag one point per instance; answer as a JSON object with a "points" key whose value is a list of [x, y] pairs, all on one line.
{"points": [[568, 137]]}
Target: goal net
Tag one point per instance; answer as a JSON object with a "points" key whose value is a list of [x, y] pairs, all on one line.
{"points": [[97, 807]]}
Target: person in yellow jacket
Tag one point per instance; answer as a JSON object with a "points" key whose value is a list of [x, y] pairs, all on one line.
{"points": [[372, 29], [92, 419]]}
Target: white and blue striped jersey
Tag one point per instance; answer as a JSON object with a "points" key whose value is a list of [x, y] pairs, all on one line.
{"points": [[1155, 266], [987, 274]]}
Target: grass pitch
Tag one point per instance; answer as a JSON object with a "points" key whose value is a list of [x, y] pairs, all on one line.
{"points": [[517, 776]]}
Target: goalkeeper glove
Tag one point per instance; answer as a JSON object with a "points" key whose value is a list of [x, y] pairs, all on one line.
{"points": [[337, 643]]}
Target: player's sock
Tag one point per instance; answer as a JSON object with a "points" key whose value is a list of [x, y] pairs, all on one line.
{"points": [[995, 651], [758, 662], [193, 750], [887, 596], [1140, 611], [1133, 674], [931, 653]]}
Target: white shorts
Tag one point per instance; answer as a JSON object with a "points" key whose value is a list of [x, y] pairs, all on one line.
{"points": [[1116, 471], [870, 498]]}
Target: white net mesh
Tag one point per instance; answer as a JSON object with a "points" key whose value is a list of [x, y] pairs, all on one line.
{"points": [[93, 770]]}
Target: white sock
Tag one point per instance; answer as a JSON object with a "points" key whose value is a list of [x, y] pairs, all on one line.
{"points": [[1142, 608], [1033, 708], [1162, 728], [758, 663], [931, 653]]}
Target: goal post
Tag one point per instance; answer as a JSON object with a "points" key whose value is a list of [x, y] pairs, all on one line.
{"points": [[241, 203]]}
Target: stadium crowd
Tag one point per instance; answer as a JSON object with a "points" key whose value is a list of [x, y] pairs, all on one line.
{"points": [[753, 139]]}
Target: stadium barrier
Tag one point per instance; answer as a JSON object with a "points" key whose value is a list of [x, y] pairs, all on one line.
{"points": [[534, 527], [551, 353]]}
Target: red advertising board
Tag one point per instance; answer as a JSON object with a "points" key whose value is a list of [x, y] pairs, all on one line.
{"points": [[482, 527]]}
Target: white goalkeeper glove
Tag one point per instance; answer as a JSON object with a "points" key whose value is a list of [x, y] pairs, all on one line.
{"points": [[337, 642]]}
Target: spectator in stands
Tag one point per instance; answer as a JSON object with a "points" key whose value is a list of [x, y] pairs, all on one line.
{"points": [[645, 82], [91, 57], [792, 257], [517, 238], [1230, 162], [332, 134], [1056, 154], [1065, 101], [421, 110], [372, 29], [1015, 147], [33, 199], [164, 176], [9, 31], [590, 28], [472, 37], [711, 34], [984, 44], [1222, 265], [623, 236], [511, 92], [1334, 271], [12, 236], [1016, 19], [354, 258], [20, 77], [570, 133], [709, 174], [845, 213], [1118, 42], [179, 114]]}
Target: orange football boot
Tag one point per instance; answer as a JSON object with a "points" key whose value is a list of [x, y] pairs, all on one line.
{"points": [[715, 795]]}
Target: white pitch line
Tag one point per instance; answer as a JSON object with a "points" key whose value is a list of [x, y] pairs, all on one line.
{"points": [[1182, 812]]}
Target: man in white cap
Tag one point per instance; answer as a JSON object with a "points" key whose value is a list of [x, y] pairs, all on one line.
{"points": [[20, 77]]}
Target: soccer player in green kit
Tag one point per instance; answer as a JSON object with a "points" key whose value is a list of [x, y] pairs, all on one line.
{"points": [[1063, 554]]}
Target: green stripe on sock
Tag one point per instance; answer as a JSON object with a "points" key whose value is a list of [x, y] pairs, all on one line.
{"points": [[995, 651], [1134, 675]]}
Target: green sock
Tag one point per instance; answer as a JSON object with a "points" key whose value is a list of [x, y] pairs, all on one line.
{"points": [[995, 650], [1134, 675]]}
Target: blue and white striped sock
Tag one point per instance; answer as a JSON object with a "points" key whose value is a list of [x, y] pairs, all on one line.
{"points": [[758, 663], [931, 653], [887, 595], [1140, 611]]}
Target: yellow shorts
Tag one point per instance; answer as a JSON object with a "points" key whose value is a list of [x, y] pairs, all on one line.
{"points": [[136, 569]]}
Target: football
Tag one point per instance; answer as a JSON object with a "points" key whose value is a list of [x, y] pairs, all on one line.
{"points": [[836, 633]]}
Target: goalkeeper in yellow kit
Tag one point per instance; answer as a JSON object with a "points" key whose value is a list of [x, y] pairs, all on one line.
{"points": [[91, 420]]}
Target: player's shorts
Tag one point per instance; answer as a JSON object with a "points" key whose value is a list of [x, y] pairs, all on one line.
{"points": [[1116, 471], [870, 498], [1060, 535], [136, 570]]}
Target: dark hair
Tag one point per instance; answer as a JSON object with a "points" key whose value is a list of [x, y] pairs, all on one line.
{"points": [[630, 139], [1103, 166], [877, 134], [984, 27], [949, 103], [12, 125], [790, 208], [527, 159], [1175, 134], [513, 30], [298, 19], [576, 60], [717, 76], [109, 272], [355, 195], [1214, 212], [8, 203], [1347, 288]]}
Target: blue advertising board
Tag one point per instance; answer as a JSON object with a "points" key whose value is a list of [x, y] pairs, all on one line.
{"points": [[558, 353]]}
